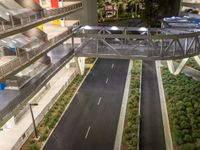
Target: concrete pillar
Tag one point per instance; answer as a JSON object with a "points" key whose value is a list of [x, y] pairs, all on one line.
{"points": [[175, 71], [197, 59], [80, 62]]}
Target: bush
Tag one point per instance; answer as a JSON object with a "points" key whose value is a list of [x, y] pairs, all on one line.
{"points": [[184, 125], [132, 117], [187, 138], [183, 107], [33, 146], [188, 146], [198, 143]]}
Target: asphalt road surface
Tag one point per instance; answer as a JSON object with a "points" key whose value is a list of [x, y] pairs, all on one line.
{"points": [[151, 131], [90, 123]]}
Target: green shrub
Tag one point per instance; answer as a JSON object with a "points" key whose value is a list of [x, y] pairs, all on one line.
{"points": [[198, 143], [184, 125], [187, 138], [33, 146], [196, 133], [132, 117], [188, 146]]}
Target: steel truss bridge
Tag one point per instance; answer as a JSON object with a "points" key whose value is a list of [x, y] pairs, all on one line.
{"points": [[139, 43]]}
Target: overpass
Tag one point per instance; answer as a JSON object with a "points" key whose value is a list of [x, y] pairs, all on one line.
{"points": [[139, 43], [121, 43]]}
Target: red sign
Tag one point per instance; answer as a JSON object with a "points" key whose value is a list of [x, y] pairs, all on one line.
{"points": [[37, 1], [54, 4]]}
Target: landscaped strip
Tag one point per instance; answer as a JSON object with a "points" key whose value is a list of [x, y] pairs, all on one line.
{"points": [[130, 139], [182, 97], [53, 116]]}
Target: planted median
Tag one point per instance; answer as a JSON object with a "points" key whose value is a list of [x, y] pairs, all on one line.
{"points": [[131, 127]]}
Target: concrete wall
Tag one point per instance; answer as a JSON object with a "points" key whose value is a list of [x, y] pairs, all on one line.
{"points": [[88, 15]]}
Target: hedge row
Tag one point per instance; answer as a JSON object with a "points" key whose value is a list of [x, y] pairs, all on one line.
{"points": [[182, 95], [52, 117], [130, 135], [90, 60]]}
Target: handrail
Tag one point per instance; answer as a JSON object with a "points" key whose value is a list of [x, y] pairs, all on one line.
{"points": [[138, 43], [29, 56], [34, 87], [41, 17]]}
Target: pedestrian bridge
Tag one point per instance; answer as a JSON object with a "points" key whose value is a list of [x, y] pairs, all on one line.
{"points": [[137, 43]]}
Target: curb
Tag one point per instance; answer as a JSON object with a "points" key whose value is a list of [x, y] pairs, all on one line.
{"points": [[139, 105], [120, 128], [67, 107], [166, 125]]}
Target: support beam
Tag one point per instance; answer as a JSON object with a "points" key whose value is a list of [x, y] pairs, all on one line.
{"points": [[80, 63], [175, 71]]}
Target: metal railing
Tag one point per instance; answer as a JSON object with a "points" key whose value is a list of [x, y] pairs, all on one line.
{"points": [[36, 19], [32, 88], [138, 43], [29, 56]]}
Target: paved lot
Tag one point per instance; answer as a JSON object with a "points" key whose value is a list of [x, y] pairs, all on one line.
{"points": [[152, 131], [90, 123]]}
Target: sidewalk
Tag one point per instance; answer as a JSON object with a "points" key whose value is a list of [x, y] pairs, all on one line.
{"points": [[14, 137]]}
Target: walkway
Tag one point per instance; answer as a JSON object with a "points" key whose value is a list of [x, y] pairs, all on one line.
{"points": [[13, 136], [9, 99], [151, 130]]}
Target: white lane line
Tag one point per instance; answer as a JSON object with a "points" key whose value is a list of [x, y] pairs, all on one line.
{"points": [[87, 132], [99, 101], [112, 66], [107, 80]]}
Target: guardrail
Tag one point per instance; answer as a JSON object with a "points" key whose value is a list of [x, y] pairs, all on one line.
{"points": [[41, 17]]}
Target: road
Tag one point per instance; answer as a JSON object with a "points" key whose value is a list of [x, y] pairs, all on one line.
{"points": [[152, 131], [90, 123]]}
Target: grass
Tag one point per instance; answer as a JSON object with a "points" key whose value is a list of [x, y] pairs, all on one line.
{"points": [[182, 96], [130, 135], [90, 60], [53, 116], [191, 63]]}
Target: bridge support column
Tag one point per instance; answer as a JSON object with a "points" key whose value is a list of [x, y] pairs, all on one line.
{"points": [[176, 70], [80, 62], [197, 59]]}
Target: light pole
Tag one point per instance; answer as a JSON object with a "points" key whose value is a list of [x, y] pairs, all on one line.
{"points": [[34, 125]]}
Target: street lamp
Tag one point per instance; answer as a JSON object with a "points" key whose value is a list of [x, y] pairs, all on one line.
{"points": [[34, 125]]}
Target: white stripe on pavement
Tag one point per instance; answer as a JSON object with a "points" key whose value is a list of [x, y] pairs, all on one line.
{"points": [[99, 101], [87, 132], [107, 80], [112, 66]]}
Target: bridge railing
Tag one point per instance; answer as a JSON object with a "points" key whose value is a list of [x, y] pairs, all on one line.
{"points": [[141, 43], [32, 89], [31, 55], [35, 19]]}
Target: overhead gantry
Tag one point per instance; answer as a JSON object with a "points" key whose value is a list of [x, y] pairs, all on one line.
{"points": [[139, 43]]}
